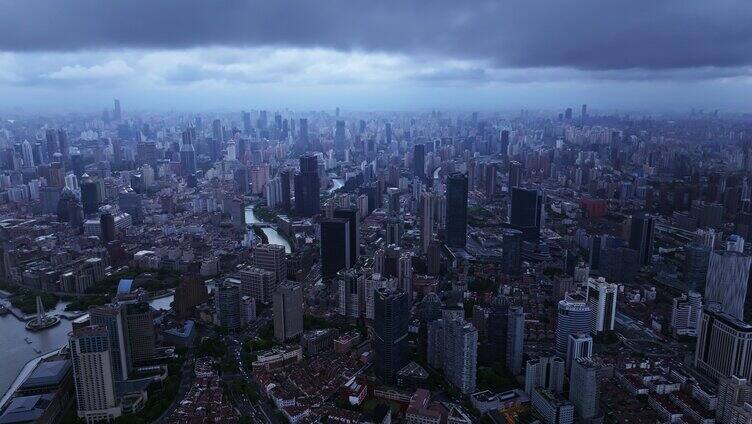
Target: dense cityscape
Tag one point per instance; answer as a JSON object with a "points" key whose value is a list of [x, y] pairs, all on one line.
{"points": [[427, 267]]}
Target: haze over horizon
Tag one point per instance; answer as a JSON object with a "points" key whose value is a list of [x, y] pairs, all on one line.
{"points": [[232, 54]]}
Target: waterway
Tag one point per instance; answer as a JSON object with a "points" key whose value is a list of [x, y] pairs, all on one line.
{"points": [[16, 352], [271, 233]]}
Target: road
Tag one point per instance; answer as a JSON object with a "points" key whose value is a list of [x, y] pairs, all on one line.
{"points": [[186, 379]]}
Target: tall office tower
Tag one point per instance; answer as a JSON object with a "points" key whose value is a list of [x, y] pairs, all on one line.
{"points": [[351, 215], [391, 318], [92, 374], [284, 177], [258, 283], [271, 257], [641, 237], [259, 178], [141, 334], [118, 115], [602, 301], [573, 316], [112, 317], [227, 305], [107, 224], [568, 114], [190, 293], [583, 113], [724, 345], [388, 132], [515, 175], [69, 209], [187, 154], [288, 311], [433, 258], [405, 275], [511, 253], [498, 329], [351, 293], [732, 391], [247, 126], [339, 136], [419, 161], [27, 154], [335, 246], [696, 260], [583, 388], [303, 138], [426, 225], [217, 133], [52, 142], [546, 373], [394, 230], [489, 177], [241, 180], [456, 222], [460, 354], [526, 212], [685, 314], [393, 198], [62, 142], [89, 196], [728, 273], [580, 346], [515, 339], [307, 187]]}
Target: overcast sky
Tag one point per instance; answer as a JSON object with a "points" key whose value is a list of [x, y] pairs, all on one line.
{"points": [[318, 54]]}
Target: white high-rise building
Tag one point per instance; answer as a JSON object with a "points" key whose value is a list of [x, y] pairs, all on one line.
{"points": [[732, 392], [351, 293], [28, 154], [271, 257], [724, 345], [573, 316], [726, 285], [546, 373], [258, 283], [580, 346], [71, 182], [685, 314], [92, 374], [453, 347], [602, 300]]}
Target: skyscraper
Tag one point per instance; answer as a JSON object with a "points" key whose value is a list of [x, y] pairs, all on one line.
{"points": [[696, 261], [141, 334], [28, 154], [546, 373], [351, 215], [460, 354], [426, 224], [288, 311], [351, 293], [307, 187], [602, 302], [258, 283], [724, 345], [573, 317], [419, 161], [89, 196], [580, 346], [335, 246], [511, 253], [456, 223], [271, 257], [526, 212], [390, 325], [728, 273], [515, 175], [112, 317], [92, 374], [498, 329], [284, 177], [583, 388], [227, 305], [641, 237], [187, 154], [339, 136], [515, 339], [118, 113]]}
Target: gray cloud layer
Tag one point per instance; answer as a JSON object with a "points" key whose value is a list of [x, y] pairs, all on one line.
{"points": [[581, 34]]}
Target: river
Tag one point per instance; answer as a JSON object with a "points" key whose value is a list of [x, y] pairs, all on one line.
{"points": [[271, 233], [16, 352]]}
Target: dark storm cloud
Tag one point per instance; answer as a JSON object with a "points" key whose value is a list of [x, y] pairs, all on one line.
{"points": [[581, 34]]}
